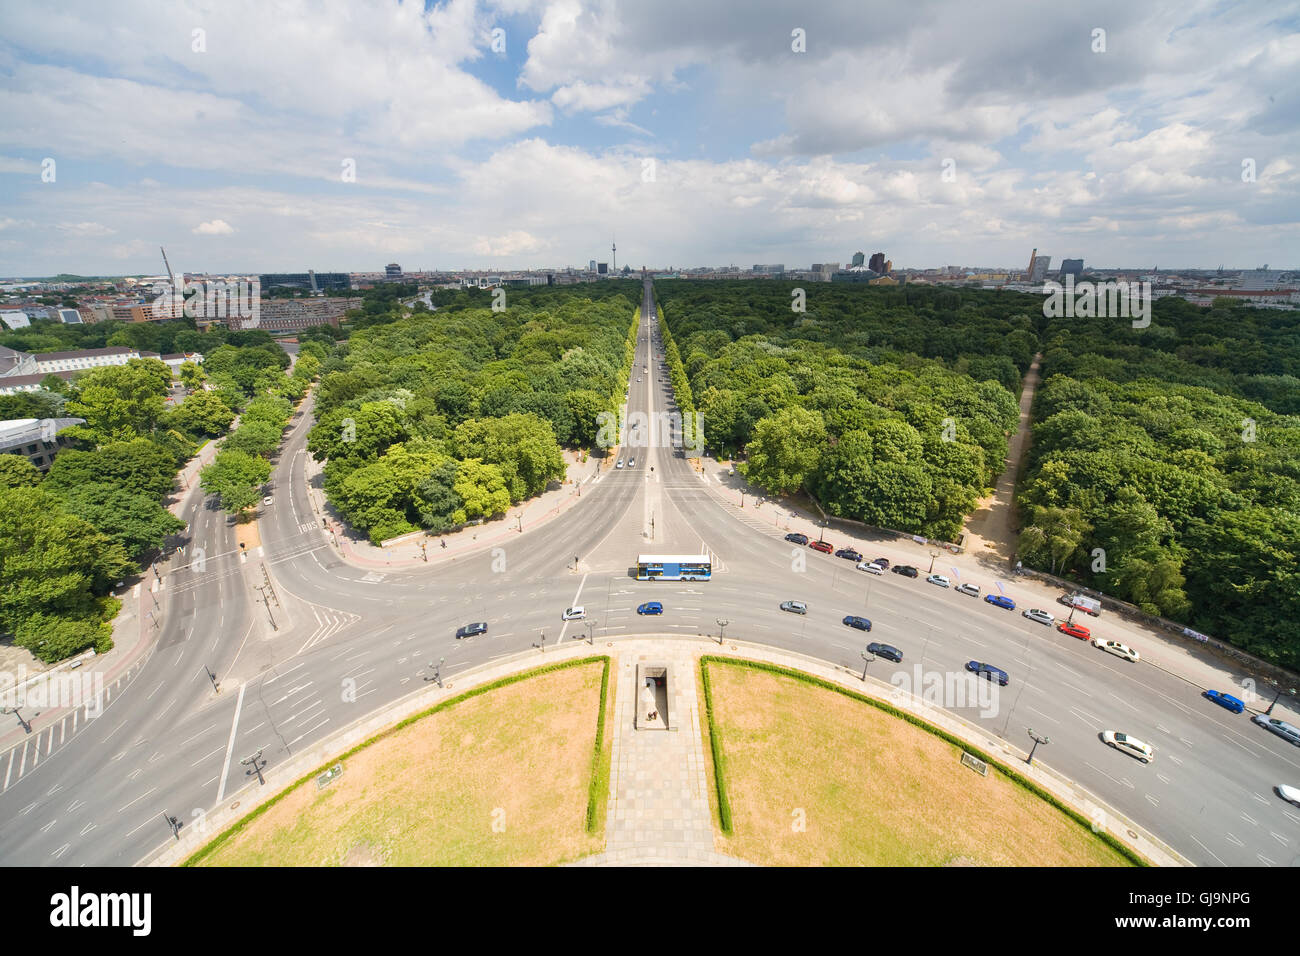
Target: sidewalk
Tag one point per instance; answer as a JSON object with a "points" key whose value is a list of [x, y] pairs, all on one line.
{"points": [[1181, 659], [406, 552]]}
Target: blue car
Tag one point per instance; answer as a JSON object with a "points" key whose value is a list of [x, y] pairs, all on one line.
{"points": [[797, 538], [1000, 601], [650, 607], [861, 623], [988, 672], [1226, 700]]}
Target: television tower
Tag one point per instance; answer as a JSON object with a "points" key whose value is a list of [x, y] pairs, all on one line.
{"points": [[613, 249]]}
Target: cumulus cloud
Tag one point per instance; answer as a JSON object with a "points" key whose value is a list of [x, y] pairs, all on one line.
{"points": [[215, 227]]}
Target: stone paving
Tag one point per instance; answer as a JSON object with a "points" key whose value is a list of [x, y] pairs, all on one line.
{"points": [[658, 796]]}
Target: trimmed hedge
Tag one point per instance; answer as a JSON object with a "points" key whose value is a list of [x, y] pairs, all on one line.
{"points": [[244, 821], [598, 788], [1117, 845], [715, 746]]}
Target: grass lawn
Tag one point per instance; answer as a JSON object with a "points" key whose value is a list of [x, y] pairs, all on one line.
{"points": [[500, 779], [873, 789]]}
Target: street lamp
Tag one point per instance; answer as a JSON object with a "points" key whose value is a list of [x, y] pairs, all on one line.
{"points": [[437, 671], [1038, 739], [867, 658], [722, 623], [254, 764], [21, 723], [1266, 713], [933, 555], [591, 633], [173, 824]]}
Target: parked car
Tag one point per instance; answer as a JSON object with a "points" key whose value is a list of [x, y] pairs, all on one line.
{"points": [[578, 613], [268, 500], [619, 464], [972, 589], [797, 538], [888, 651], [469, 630], [997, 600], [1225, 700], [861, 623], [1118, 649], [870, 567], [794, 607], [631, 462], [823, 546], [1130, 745], [938, 579], [848, 554], [1081, 603], [883, 562], [1074, 630], [988, 672], [905, 569], [650, 607], [1289, 794], [1288, 732], [1041, 616]]}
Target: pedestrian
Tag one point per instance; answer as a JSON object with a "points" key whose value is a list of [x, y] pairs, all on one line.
{"points": [[443, 542]]}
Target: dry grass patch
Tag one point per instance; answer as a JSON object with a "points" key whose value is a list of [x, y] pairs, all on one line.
{"points": [[500, 779], [874, 789]]}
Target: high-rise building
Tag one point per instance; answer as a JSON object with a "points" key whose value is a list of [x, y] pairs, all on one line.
{"points": [[310, 280], [392, 271], [602, 268], [889, 266], [1072, 267], [1041, 265], [591, 266], [858, 258], [877, 263]]}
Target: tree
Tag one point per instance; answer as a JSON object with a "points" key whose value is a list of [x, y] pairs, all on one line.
{"points": [[785, 449], [437, 500], [254, 438], [236, 478], [136, 522], [192, 376], [17, 472], [140, 466], [522, 446], [483, 489], [120, 402], [202, 413]]}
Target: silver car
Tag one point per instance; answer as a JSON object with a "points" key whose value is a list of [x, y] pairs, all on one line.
{"points": [[972, 589], [1042, 617]]}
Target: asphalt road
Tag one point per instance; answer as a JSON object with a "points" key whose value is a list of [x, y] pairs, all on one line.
{"points": [[348, 641]]}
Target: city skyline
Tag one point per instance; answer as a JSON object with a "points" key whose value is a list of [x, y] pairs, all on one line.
{"points": [[499, 136]]}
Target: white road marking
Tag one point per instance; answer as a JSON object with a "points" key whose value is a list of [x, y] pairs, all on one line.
{"points": [[230, 744], [138, 799]]}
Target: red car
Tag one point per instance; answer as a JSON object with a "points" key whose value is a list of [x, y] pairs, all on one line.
{"points": [[1074, 630], [825, 547]]}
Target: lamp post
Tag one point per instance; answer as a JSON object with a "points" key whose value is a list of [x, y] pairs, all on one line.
{"points": [[933, 555], [722, 623], [27, 728], [867, 658], [1266, 713], [591, 633], [254, 764], [437, 671], [173, 824], [1038, 739]]}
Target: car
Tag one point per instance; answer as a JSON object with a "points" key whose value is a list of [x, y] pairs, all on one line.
{"points": [[823, 546], [988, 672], [1129, 745], [905, 569], [972, 589], [1288, 732], [848, 554], [1289, 794], [578, 613], [997, 600], [1118, 649], [870, 567], [888, 651], [797, 538], [267, 500], [620, 463], [883, 562], [794, 607], [469, 630], [861, 623], [1039, 615], [650, 607], [1225, 700], [938, 579], [1074, 630], [631, 462], [638, 378]]}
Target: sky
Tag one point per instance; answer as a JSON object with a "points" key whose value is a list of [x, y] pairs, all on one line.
{"points": [[280, 135]]}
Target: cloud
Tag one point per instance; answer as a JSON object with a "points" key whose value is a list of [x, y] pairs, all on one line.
{"points": [[216, 227]]}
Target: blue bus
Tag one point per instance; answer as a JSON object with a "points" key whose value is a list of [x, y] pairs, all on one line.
{"points": [[674, 567]]}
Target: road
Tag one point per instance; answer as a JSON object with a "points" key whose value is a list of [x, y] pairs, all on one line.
{"points": [[348, 641]]}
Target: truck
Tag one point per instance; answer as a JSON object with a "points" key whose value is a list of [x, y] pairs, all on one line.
{"points": [[1081, 603]]}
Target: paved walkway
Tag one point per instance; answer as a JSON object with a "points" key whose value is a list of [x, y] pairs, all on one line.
{"points": [[658, 795]]}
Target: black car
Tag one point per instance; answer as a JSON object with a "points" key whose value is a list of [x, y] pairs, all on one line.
{"points": [[906, 569], [469, 630], [797, 538], [888, 651], [882, 562], [848, 554], [861, 623]]}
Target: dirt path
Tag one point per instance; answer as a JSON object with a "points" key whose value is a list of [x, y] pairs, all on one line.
{"points": [[990, 530]]}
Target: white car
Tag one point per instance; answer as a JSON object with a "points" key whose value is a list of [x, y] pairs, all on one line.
{"points": [[1042, 617], [267, 500], [870, 568], [972, 589], [1118, 649], [631, 462], [620, 463], [1289, 794], [578, 613], [939, 579], [1130, 745]]}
